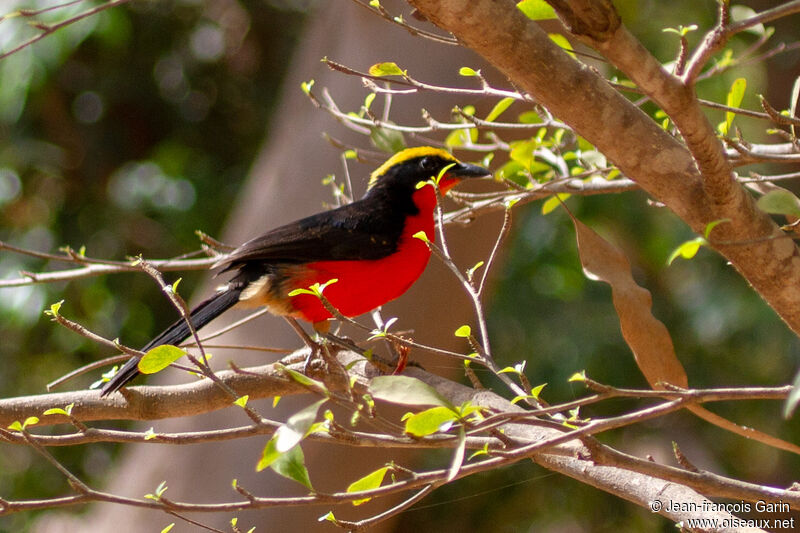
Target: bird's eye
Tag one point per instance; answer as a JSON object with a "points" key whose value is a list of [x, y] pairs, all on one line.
{"points": [[427, 163]]}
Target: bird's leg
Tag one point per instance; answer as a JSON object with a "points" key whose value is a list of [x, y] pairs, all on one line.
{"points": [[313, 346]]}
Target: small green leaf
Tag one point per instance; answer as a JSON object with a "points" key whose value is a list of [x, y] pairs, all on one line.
{"points": [[687, 250], [315, 289], [463, 332], [16, 425], [421, 235], [306, 86], [471, 271], [54, 309], [554, 201], [498, 109], [780, 202], [296, 427], [168, 528], [536, 9], [368, 100], [66, 411], [292, 465], [711, 225], [458, 455], [387, 140], [793, 399], [386, 69], [482, 451], [430, 421], [275, 401], [158, 358], [537, 390], [562, 42], [150, 434], [329, 515], [466, 71], [268, 455], [578, 376], [304, 380], [160, 490], [734, 99], [373, 480], [406, 390], [241, 401]]}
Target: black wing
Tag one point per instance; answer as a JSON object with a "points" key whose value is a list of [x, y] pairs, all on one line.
{"points": [[365, 229]]}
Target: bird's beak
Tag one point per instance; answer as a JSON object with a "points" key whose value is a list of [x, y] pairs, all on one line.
{"points": [[467, 170]]}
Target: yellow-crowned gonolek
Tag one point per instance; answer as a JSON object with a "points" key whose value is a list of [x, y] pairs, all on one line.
{"points": [[367, 245]]}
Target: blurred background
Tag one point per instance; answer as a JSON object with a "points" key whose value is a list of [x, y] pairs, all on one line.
{"points": [[131, 129]]}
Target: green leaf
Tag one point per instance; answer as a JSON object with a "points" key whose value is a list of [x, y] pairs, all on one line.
{"points": [[561, 41], [296, 427], [241, 401], [292, 465], [551, 203], [711, 225], [739, 13], [386, 69], [458, 455], [66, 411], [158, 358], [687, 250], [150, 434], [578, 376], [537, 390], [793, 399], [303, 380], [160, 490], [464, 332], [536, 9], [498, 108], [269, 455], [734, 99], [471, 271], [315, 289], [306, 86], [466, 71], [168, 528], [329, 515], [54, 309], [421, 235], [387, 140], [794, 100], [430, 421], [405, 390], [482, 451], [780, 202], [373, 480]]}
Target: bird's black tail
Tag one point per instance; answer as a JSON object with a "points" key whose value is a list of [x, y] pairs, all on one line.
{"points": [[175, 334]]}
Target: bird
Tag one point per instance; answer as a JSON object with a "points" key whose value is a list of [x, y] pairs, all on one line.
{"points": [[372, 247]]}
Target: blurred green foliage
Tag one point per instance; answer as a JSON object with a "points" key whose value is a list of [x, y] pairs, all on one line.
{"points": [[123, 133], [130, 130]]}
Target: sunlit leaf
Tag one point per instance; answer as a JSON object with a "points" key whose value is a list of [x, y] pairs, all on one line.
{"points": [[687, 250], [498, 109], [158, 358], [536, 9], [406, 390], [373, 480], [429, 421], [386, 69], [463, 332]]}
